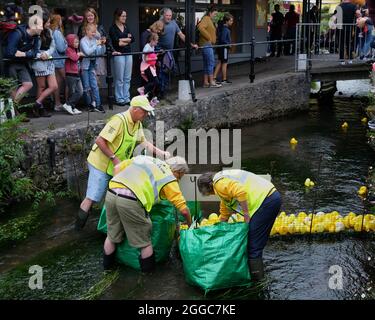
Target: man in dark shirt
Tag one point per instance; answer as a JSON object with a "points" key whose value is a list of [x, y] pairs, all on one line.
{"points": [[276, 26], [346, 43], [291, 20]]}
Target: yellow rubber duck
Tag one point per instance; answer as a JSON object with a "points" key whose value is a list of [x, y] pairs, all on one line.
{"points": [[364, 120], [184, 227], [345, 125], [339, 226], [309, 183], [213, 216], [362, 191], [240, 218], [293, 141], [283, 230], [204, 223]]}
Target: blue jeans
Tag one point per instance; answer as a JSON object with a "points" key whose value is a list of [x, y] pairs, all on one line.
{"points": [[208, 59], [90, 85], [261, 224], [123, 66], [164, 81], [367, 41]]}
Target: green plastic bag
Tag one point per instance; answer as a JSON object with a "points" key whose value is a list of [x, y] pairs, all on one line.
{"points": [[195, 211], [163, 217], [215, 257]]}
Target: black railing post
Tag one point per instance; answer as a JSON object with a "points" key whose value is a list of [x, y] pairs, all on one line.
{"points": [[109, 77], [252, 60], [189, 4]]}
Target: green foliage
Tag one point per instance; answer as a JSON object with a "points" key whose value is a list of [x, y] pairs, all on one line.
{"points": [[19, 229], [14, 185], [99, 288], [6, 86], [11, 156]]}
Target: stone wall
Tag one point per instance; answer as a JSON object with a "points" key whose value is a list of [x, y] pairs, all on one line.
{"points": [[241, 104], [54, 156]]}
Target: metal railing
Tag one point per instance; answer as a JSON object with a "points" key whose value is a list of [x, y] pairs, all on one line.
{"points": [[109, 56], [341, 42]]}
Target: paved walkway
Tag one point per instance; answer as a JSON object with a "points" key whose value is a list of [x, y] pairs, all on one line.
{"points": [[264, 69]]}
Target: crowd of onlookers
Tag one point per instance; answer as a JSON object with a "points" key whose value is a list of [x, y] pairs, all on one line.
{"points": [[352, 35], [68, 67]]}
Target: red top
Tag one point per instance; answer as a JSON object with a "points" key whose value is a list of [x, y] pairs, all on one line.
{"points": [[71, 64], [291, 19]]}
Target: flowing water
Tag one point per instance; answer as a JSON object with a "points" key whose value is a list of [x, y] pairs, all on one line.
{"points": [[296, 268]]}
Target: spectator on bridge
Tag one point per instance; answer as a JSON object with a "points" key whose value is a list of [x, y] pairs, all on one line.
{"points": [[314, 20], [276, 30], [359, 41], [90, 17], [346, 43], [122, 38], [222, 52], [291, 20], [157, 27], [150, 81], [91, 46], [332, 33], [61, 46], [21, 45], [367, 27], [166, 42], [207, 38], [44, 69]]}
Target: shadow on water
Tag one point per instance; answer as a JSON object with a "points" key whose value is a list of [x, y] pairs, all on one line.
{"points": [[296, 268]]}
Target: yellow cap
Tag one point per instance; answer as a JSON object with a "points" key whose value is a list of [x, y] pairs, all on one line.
{"points": [[141, 102]]}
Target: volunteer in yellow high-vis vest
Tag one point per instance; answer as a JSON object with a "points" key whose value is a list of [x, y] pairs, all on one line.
{"points": [[115, 143], [253, 197], [138, 184]]}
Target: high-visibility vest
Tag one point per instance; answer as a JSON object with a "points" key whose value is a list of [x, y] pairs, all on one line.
{"points": [[127, 144], [257, 189], [145, 177]]}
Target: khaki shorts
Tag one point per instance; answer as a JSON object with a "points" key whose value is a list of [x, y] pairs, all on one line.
{"points": [[127, 216]]}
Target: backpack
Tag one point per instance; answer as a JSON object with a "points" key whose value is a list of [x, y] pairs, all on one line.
{"points": [[5, 29], [168, 63]]}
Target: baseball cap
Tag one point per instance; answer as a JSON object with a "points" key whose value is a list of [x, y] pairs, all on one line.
{"points": [[141, 102]]}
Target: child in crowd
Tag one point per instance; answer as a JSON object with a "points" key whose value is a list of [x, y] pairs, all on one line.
{"points": [[73, 80], [61, 46], [150, 81], [44, 69], [222, 52], [90, 46]]}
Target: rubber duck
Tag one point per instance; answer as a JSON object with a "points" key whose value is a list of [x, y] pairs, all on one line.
{"points": [[293, 141], [213, 216], [309, 183], [364, 120], [345, 125], [362, 191]]}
